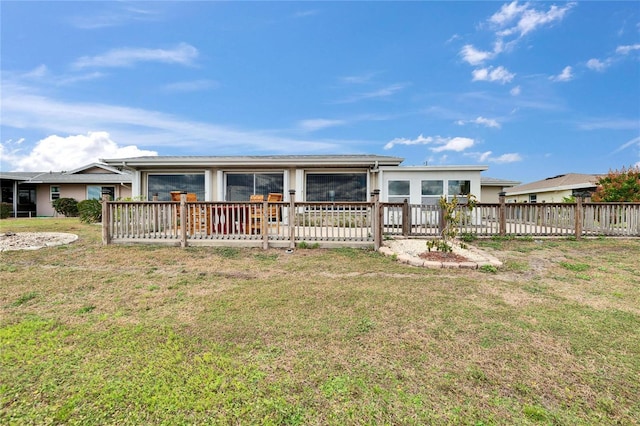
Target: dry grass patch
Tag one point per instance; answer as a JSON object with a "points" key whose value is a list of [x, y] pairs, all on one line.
{"points": [[147, 334]]}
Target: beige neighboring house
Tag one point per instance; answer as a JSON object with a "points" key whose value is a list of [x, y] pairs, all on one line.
{"points": [[490, 188], [554, 189], [32, 193]]}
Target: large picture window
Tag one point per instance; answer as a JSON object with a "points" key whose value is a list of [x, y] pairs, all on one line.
{"points": [[398, 190], [164, 184], [432, 190], [459, 188], [240, 186], [336, 187]]}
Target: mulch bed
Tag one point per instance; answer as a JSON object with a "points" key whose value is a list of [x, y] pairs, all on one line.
{"points": [[438, 256]]}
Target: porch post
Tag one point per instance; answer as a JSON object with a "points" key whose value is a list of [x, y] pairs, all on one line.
{"points": [[184, 220], [156, 222], [406, 218], [579, 214], [264, 224], [106, 220], [292, 218], [376, 223], [502, 214]]}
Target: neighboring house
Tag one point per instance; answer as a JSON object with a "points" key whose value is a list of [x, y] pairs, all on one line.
{"points": [[312, 177], [554, 189], [32, 193], [492, 187]]}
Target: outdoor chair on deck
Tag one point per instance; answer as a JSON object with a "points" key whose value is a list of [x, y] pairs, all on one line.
{"points": [[255, 214]]}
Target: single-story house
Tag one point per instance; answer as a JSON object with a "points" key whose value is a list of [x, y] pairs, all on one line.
{"points": [[553, 189], [236, 178], [32, 193], [312, 177]]}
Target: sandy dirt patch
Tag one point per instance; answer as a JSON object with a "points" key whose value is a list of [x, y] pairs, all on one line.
{"points": [[34, 240]]}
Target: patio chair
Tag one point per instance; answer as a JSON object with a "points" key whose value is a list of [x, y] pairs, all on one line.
{"points": [[255, 214]]}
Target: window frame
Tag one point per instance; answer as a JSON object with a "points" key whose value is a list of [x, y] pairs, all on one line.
{"points": [[431, 199], [399, 197], [337, 198], [102, 187], [54, 195], [254, 174], [162, 197]]}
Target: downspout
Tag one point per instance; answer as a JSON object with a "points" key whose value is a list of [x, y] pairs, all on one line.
{"points": [[15, 198]]}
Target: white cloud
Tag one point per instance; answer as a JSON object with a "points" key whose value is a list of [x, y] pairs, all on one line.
{"points": [[625, 50], [507, 13], [565, 75], [457, 144], [632, 142], [597, 64], [183, 54], [487, 157], [528, 18], [515, 91], [56, 153], [474, 56], [499, 74], [318, 123], [481, 121]]}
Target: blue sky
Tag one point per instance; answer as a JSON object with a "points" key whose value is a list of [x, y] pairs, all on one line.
{"points": [[531, 89]]}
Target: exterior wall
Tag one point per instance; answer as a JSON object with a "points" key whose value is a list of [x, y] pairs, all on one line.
{"points": [[76, 191], [490, 194], [541, 197], [416, 176]]}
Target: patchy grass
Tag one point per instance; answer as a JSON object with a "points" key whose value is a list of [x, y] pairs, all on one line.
{"points": [[94, 334]]}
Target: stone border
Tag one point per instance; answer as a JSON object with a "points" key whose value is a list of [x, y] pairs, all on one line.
{"points": [[477, 258]]}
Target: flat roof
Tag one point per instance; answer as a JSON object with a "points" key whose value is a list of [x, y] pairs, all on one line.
{"points": [[257, 160]]}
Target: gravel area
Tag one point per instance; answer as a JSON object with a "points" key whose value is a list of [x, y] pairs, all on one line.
{"points": [[34, 240], [408, 251]]}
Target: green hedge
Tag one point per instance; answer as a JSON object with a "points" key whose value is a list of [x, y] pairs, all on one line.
{"points": [[90, 211], [5, 210]]}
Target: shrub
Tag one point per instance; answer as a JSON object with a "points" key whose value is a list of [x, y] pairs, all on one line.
{"points": [[619, 186], [90, 211], [5, 210], [66, 206]]}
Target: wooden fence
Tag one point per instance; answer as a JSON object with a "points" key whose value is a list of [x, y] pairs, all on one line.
{"points": [[284, 224]]}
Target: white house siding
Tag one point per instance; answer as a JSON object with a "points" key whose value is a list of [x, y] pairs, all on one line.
{"points": [[415, 176], [541, 197]]}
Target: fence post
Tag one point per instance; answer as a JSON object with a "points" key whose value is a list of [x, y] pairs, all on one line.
{"points": [[292, 218], [264, 222], [502, 214], [156, 226], [406, 218], [106, 220], [441, 220], [184, 220], [376, 222], [579, 214]]}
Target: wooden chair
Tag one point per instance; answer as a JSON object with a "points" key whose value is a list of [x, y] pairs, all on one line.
{"points": [[274, 212], [255, 214]]}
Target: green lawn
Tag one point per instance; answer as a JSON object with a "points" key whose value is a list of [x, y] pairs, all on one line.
{"points": [[93, 334]]}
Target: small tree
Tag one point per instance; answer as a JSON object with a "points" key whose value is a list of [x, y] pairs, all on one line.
{"points": [[619, 186], [66, 206], [452, 217]]}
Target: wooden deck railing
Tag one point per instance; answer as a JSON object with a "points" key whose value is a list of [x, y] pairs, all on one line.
{"points": [[283, 224]]}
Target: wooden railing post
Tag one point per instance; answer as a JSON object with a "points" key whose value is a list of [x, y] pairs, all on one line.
{"points": [[155, 225], [264, 222], [406, 218], [376, 222], [292, 218], [502, 214], [106, 220], [578, 217], [184, 220]]}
